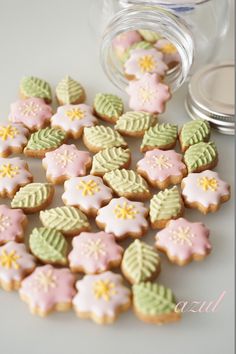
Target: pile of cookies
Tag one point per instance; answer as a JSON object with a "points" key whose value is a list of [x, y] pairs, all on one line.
{"points": [[99, 184]]}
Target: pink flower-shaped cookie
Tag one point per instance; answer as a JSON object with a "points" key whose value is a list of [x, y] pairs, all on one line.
{"points": [[48, 289], [13, 138], [124, 40], [66, 162], [142, 61], [12, 224], [94, 253], [15, 264], [123, 218], [101, 297], [14, 174], [148, 94], [184, 241], [33, 112], [170, 52], [204, 191], [162, 168], [73, 118], [89, 193]]}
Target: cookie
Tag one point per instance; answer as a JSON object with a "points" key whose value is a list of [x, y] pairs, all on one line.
{"points": [[161, 136], [110, 159], [148, 94], [142, 61], [165, 206], [33, 197], [138, 45], [149, 35], [200, 157], [66, 162], [33, 113], [67, 219], [124, 41], [135, 123], [48, 289], [94, 253], [13, 138], [154, 303], [69, 91], [194, 132], [108, 107], [140, 263], [101, 297], [88, 193], [12, 224], [100, 137], [184, 241], [170, 53], [48, 245], [15, 264], [73, 118], [14, 173], [31, 86], [44, 140], [204, 191], [123, 218], [128, 183]]}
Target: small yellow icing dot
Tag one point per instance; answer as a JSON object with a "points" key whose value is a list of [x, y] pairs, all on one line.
{"points": [[8, 170], [207, 183], [9, 260], [88, 188], [126, 211], [169, 48], [45, 280], [146, 94], [30, 109], [104, 289], [182, 236], [162, 162], [4, 222], [94, 248], [75, 113], [8, 132], [146, 63]]}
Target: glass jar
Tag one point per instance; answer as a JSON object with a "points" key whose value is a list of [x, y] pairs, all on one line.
{"points": [[193, 27]]}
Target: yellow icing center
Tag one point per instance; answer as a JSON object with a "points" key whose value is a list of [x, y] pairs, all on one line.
{"points": [[146, 94], [46, 280], [8, 132], [75, 113], [94, 248], [104, 289], [4, 222], [207, 183], [9, 260], [169, 48], [8, 170], [162, 162], [88, 188], [125, 211], [64, 158], [30, 109], [182, 236], [146, 63]]}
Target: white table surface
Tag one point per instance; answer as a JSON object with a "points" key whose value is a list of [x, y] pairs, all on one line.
{"points": [[50, 39]]}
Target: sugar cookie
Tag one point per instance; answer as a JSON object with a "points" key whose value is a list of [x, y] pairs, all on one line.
{"points": [[161, 136], [170, 53], [201, 156], [31, 86], [108, 107], [194, 132], [13, 138], [69, 91], [12, 224], [135, 123], [123, 41], [148, 35]]}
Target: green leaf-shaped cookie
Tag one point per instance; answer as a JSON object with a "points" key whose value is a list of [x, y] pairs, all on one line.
{"points": [[161, 136], [99, 137], [149, 35], [135, 123], [48, 245], [31, 86], [140, 263], [201, 156], [69, 91], [67, 219], [194, 132], [108, 107]]}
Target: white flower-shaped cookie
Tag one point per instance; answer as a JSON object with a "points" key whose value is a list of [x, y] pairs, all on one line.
{"points": [[13, 138]]}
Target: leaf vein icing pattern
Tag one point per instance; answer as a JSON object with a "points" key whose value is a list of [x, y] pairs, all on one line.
{"points": [[199, 155], [160, 135], [194, 132], [103, 137], [110, 159], [108, 105], [32, 195], [165, 204], [45, 139], [135, 121]]}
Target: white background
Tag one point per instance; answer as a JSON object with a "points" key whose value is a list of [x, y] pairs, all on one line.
{"points": [[53, 38]]}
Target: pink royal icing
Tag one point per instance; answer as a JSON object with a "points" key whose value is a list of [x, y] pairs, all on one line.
{"points": [[123, 41], [169, 51], [148, 94], [94, 252], [12, 136], [33, 112], [11, 220]]}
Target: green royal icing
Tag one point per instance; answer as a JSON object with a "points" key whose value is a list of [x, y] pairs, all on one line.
{"points": [[48, 245], [149, 36], [45, 139], [108, 105], [103, 137], [69, 91], [160, 136], [135, 122], [194, 132], [34, 87], [140, 262], [32, 195], [153, 299], [138, 45], [200, 155], [109, 159]]}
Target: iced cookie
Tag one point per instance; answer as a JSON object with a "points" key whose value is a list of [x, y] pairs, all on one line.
{"points": [[127, 183], [142, 61], [15, 264], [33, 197], [124, 41], [162, 168], [48, 289], [204, 191], [14, 173], [88, 193], [67, 219], [149, 35], [138, 45], [94, 253], [140, 263], [33, 113], [201, 156], [194, 132], [12, 224], [73, 118], [66, 162], [13, 138], [161, 136], [100, 137], [154, 303], [69, 91], [123, 218], [48, 245], [44, 140], [135, 123], [31, 86], [110, 159], [108, 107], [148, 94], [165, 206], [101, 297], [184, 241], [170, 53]]}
